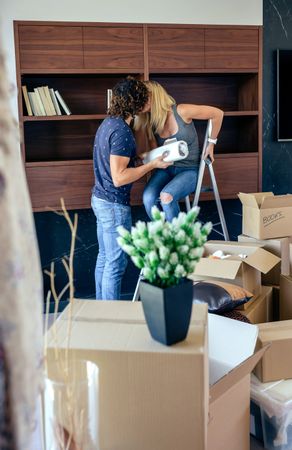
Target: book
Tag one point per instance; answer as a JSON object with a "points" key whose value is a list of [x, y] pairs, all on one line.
{"points": [[26, 100], [31, 96], [40, 106], [62, 103], [49, 98], [109, 98], [44, 100], [54, 100]]}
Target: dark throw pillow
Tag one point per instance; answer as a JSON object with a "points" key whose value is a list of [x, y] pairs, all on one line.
{"points": [[220, 297]]}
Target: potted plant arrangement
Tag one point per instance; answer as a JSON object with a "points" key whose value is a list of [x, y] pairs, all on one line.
{"points": [[166, 252]]}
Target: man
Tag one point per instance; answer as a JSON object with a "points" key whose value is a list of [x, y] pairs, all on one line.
{"points": [[114, 153]]}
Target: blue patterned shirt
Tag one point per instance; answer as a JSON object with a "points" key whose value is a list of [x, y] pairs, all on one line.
{"points": [[113, 137]]}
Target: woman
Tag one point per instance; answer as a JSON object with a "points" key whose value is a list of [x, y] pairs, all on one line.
{"points": [[163, 120], [113, 157]]}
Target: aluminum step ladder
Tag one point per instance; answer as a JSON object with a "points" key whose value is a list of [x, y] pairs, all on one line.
{"points": [[199, 189]]}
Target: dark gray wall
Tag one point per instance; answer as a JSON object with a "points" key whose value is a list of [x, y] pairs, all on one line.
{"points": [[277, 156]]}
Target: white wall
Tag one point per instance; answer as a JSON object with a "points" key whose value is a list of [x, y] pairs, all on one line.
{"points": [[226, 12]]}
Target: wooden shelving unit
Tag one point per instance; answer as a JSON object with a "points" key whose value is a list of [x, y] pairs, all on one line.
{"points": [[215, 65]]}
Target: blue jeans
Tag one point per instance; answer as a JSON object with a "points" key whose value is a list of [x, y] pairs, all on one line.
{"points": [[176, 181], [111, 261]]}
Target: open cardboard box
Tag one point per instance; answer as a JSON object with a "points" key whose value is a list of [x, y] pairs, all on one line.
{"points": [[262, 308], [279, 247], [157, 397], [285, 297], [231, 359], [277, 362], [243, 272], [266, 215]]}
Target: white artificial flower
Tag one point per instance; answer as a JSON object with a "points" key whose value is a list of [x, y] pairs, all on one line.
{"points": [[153, 257], [180, 236], [162, 273], [129, 249], [196, 252], [123, 232], [155, 213], [142, 244], [196, 230], [138, 261], [179, 271], [173, 258], [141, 227], [163, 252], [207, 227], [121, 242], [147, 273], [183, 249], [154, 227]]}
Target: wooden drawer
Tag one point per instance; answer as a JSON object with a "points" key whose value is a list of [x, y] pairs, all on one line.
{"points": [[50, 47], [114, 48], [234, 174], [175, 48], [231, 48], [51, 181]]}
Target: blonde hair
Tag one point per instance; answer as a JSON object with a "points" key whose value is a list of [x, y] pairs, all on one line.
{"points": [[161, 103]]}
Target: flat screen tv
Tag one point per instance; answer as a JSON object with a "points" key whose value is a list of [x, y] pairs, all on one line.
{"points": [[284, 95]]}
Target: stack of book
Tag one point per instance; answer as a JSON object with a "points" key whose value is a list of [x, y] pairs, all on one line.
{"points": [[44, 101]]}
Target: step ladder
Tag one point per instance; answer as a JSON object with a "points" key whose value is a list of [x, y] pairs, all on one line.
{"points": [[199, 189]]}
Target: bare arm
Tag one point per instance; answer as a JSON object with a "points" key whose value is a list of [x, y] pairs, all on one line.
{"points": [[122, 174], [203, 112]]}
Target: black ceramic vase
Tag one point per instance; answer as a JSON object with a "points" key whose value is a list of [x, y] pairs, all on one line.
{"points": [[167, 311]]}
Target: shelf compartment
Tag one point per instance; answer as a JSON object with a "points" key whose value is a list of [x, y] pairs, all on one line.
{"points": [[48, 183], [239, 134], [59, 140], [73, 181], [230, 92], [84, 94], [234, 174]]}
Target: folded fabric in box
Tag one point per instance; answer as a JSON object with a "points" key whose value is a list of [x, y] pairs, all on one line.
{"points": [[220, 297]]}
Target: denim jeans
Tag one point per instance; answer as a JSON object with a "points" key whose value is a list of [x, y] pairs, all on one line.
{"points": [[111, 261], [176, 181]]}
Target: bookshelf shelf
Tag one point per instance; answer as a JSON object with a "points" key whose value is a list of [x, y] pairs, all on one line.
{"points": [[71, 117], [200, 64]]}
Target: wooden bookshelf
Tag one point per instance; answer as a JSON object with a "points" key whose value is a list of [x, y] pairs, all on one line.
{"points": [[201, 64]]}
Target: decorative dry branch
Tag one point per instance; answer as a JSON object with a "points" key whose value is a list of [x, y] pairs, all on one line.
{"points": [[65, 438]]}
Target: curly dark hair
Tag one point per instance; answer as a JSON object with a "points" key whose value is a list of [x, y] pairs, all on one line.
{"points": [[129, 98]]}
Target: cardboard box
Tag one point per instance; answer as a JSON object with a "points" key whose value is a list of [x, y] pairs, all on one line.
{"points": [[276, 364], [230, 343], [285, 297], [276, 303], [243, 272], [261, 309], [280, 248], [153, 396], [266, 215]]}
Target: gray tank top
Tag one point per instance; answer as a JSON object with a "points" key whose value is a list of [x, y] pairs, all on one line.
{"points": [[186, 132]]}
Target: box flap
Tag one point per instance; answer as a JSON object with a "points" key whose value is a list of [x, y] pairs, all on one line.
{"points": [[255, 199], [275, 331], [248, 200], [235, 375], [277, 201], [217, 268], [262, 260], [230, 343]]}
